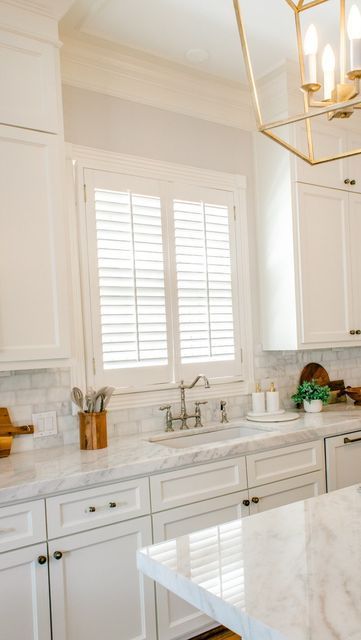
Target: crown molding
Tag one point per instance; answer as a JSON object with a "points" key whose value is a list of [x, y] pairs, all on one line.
{"points": [[130, 75], [55, 9]]}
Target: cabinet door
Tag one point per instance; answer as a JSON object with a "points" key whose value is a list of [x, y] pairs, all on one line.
{"points": [[30, 95], [343, 460], [324, 278], [176, 618], [355, 235], [354, 162], [284, 492], [96, 589], [328, 141], [33, 300], [24, 589]]}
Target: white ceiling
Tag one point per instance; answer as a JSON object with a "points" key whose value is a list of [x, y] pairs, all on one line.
{"points": [[168, 29]]}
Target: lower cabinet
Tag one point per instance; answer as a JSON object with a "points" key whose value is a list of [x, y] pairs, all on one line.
{"points": [[284, 492], [96, 589], [176, 618], [343, 460], [24, 589]]}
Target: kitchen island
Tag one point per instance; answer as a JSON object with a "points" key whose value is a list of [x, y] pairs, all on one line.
{"points": [[292, 573]]}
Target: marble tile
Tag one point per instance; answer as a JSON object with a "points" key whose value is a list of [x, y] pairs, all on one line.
{"points": [[292, 573]]}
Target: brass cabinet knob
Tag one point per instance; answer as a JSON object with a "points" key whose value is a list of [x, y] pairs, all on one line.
{"points": [[353, 182], [42, 559], [57, 555], [255, 500], [112, 505], [246, 503], [352, 332], [91, 509], [358, 332], [347, 181]]}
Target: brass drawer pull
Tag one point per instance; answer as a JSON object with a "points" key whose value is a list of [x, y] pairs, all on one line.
{"points": [[246, 503], [255, 500], [349, 441], [42, 559], [112, 505], [91, 509], [57, 555]]}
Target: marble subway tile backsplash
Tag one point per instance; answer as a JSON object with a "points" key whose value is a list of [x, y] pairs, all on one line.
{"points": [[28, 392]]}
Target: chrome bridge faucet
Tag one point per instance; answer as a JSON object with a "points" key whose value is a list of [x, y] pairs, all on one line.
{"points": [[184, 415]]}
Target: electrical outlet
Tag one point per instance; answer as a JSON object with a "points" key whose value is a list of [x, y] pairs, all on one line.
{"points": [[45, 424]]}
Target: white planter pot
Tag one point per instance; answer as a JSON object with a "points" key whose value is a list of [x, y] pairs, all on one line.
{"points": [[314, 406]]}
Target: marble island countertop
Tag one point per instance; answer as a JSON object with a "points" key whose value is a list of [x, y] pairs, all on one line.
{"points": [[292, 573], [42, 472]]}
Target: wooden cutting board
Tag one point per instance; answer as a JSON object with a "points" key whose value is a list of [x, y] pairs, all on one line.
{"points": [[8, 430], [314, 371]]}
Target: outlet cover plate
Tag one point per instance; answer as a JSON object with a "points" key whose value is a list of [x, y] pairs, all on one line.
{"points": [[45, 424]]}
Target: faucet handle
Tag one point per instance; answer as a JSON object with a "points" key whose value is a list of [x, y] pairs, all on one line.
{"points": [[198, 402], [165, 407]]}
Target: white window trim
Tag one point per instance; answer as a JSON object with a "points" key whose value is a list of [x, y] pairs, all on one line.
{"points": [[82, 374]]}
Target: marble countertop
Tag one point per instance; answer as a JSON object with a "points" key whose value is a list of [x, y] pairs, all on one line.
{"points": [[292, 573], [42, 472]]}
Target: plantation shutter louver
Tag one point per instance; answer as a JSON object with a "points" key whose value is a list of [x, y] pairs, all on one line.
{"points": [[130, 278], [205, 287]]}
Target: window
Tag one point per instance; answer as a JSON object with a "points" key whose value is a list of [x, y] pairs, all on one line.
{"points": [[162, 280]]}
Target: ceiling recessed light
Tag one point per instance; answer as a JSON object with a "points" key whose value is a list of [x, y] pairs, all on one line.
{"points": [[197, 55]]}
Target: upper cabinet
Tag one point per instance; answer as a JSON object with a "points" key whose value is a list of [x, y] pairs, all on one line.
{"points": [[34, 301], [30, 94], [337, 174], [310, 265], [33, 277]]}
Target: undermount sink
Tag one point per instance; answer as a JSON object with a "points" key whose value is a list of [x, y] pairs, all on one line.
{"points": [[193, 438]]}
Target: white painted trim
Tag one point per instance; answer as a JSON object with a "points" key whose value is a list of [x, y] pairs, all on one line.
{"points": [[24, 20], [130, 75], [86, 157], [90, 158]]}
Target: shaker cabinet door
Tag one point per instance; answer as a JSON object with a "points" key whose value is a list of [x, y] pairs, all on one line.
{"points": [[324, 275], [33, 263], [177, 618], [24, 589], [97, 591]]}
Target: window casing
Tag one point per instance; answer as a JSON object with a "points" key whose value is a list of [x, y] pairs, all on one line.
{"points": [[187, 233]]}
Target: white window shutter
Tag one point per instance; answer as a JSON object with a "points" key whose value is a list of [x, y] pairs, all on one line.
{"points": [[207, 295], [126, 266]]}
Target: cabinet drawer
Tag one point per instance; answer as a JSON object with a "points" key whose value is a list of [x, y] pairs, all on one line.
{"points": [[22, 525], [177, 488], [91, 508], [278, 464]]}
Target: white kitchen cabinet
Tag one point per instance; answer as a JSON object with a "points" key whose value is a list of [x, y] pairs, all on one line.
{"points": [[96, 589], [30, 83], [326, 313], [176, 618], [343, 460], [284, 492], [34, 304], [330, 139], [24, 589], [266, 467]]}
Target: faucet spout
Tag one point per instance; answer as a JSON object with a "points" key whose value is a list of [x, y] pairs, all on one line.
{"points": [[193, 384]]}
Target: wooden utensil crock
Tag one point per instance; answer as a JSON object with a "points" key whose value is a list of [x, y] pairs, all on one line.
{"points": [[93, 430]]}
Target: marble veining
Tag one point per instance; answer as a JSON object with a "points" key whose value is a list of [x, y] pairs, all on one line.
{"points": [[41, 472], [292, 573]]}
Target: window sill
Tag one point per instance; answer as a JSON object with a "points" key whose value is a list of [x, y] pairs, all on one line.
{"points": [[171, 395]]}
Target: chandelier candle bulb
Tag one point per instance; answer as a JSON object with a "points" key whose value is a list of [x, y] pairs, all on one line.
{"points": [[258, 400], [273, 400], [328, 66], [354, 34], [310, 48]]}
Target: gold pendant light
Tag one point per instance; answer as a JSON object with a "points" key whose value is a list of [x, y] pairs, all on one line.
{"points": [[337, 98]]}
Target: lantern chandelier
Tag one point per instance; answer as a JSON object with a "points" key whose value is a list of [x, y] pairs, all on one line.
{"points": [[338, 96]]}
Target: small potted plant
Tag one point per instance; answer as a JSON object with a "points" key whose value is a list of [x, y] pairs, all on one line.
{"points": [[312, 395]]}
